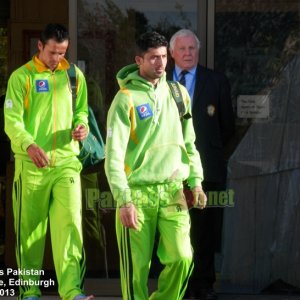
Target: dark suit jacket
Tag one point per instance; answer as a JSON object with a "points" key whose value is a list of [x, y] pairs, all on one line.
{"points": [[213, 120]]}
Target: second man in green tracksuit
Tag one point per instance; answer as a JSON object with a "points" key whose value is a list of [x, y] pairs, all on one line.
{"points": [[150, 152]]}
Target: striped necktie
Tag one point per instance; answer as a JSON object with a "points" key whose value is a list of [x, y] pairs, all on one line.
{"points": [[182, 77]]}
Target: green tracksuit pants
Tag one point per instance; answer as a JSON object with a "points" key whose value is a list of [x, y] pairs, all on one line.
{"points": [[160, 207], [54, 193]]}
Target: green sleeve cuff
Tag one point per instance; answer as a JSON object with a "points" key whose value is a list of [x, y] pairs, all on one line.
{"points": [[26, 144], [193, 182], [122, 197]]}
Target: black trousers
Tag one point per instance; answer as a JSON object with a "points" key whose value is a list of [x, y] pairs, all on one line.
{"points": [[206, 232]]}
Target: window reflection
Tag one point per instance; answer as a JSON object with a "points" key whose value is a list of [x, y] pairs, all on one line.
{"points": [[257, 45], [253, 41], [107, 32]]}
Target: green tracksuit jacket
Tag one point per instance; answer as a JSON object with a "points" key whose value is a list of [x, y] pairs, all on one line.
{"points": [[36, 110], [147, 143]]}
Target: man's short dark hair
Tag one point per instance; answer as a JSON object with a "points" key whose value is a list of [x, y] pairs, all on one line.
{"points": [[150, 40], [57, 32]]}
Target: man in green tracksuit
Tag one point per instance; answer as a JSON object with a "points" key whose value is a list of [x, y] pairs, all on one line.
{"points": [[150, 151], [44, 136]]}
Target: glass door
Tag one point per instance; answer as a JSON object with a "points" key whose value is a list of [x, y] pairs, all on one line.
{"points": [[257, 46]]}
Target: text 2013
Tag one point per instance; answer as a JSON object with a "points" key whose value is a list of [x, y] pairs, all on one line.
{"points": [[7, 292]]}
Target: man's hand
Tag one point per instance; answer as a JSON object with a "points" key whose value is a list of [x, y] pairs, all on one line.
{"points": [[128, 216], [38, 156], [79, 133], [199, 197]]}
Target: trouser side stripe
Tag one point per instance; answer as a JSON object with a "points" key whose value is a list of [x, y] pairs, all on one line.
{"points": [[185, 283], [126, 262]]}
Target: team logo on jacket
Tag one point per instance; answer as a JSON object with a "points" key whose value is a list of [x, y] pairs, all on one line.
{"points": [[144, 111], [8, 103], [42, 86]]}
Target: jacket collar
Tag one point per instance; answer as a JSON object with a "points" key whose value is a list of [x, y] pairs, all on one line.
{"points": [[41, 67]]}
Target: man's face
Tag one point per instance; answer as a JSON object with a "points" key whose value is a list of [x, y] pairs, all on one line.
{"points": [[185, 52], [152, 64], [52, 52]]}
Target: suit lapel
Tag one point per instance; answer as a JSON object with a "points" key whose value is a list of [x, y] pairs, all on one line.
{"points": [[201, 77], [200, 82]]}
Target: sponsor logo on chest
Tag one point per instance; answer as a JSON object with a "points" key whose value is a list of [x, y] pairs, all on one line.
{"points": [[144, 111], [42, 86]]}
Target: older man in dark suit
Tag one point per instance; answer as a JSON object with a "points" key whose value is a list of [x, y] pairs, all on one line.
{"points": [[213, 119]]}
